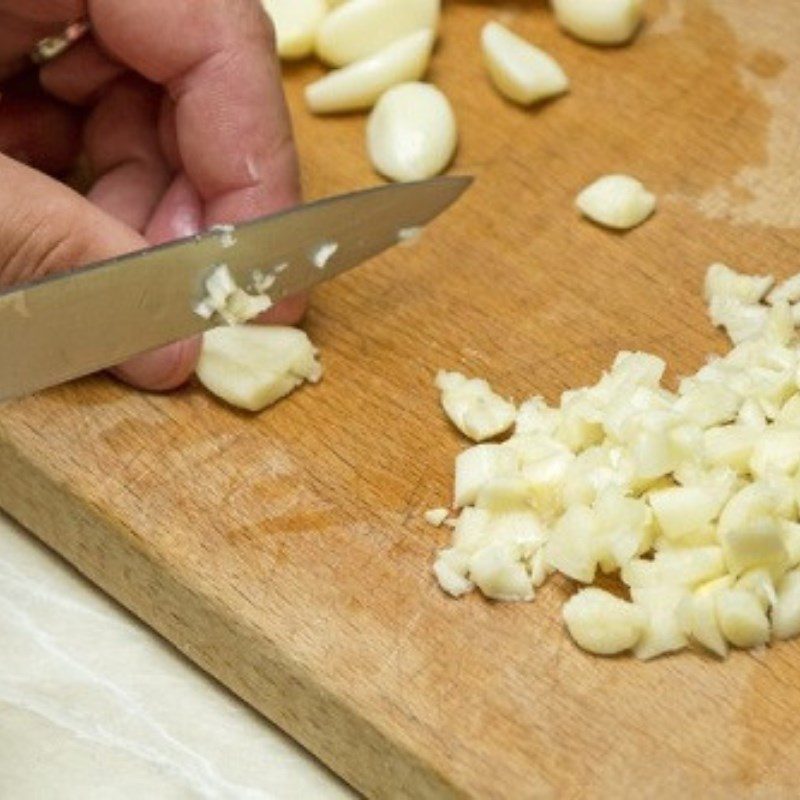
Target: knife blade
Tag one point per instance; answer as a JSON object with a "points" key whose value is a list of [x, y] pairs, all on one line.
{"points": [[74, 323]]}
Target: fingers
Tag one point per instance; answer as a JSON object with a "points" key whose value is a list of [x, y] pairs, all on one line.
{"points": [[45, 227], [218, 63], [39, 131], [121, 143], [81, 74], [179, 214], [164, 369]]}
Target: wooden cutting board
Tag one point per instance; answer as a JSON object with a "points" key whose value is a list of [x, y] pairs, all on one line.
{"points": [[285, 553]]}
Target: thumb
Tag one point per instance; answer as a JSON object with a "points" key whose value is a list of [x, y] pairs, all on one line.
{"points": [[45, 227]]}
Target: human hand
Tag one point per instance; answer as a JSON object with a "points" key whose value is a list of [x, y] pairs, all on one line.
{"points": [[178, 108]]}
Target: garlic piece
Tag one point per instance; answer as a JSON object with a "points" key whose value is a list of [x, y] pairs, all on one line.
{"points": [[741, 618], [360, 28], [663, 632], [252, 367], [521, 72], [451, 568], [225, 298], [683, 510], [360, 84], [411, 132], [603, 624], [697, 615], [473, 407], [788, 291], [499, 575], [323, 254], [599, 21], [479, 466], [436, 516], [722, 281], [296, 23], [786, 612], [616, 201]]}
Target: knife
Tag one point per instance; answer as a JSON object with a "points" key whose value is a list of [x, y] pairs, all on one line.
{"points": [[74, 323]]}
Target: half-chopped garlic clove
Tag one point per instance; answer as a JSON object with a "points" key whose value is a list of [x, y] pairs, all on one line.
{"points": [[252, 367], [604, 22], [616, 201], [473, 407], [412, 132], [521, 72], [603, 624], [296, 24], [360, 84], [360, 28]]}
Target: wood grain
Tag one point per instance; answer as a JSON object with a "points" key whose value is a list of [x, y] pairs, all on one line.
{"points": [[285, 553]]}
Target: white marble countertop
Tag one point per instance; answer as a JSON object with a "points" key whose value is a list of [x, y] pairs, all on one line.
{"points": [[95, 705]]}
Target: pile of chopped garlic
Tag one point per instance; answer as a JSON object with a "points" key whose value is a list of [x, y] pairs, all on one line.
{"points": [[690, 496]]}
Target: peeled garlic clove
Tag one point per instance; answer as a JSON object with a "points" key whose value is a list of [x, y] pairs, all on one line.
{"points": [[296, 23], [411, 132], [473, 407], [786, 613], [253, 366], [360, 28], [603, 624], [741, 618], [360, 84], [599, 21], [521, 72], [616, 201]]}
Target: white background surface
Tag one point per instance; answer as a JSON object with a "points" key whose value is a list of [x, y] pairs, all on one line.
{"points": [[95, 705]]}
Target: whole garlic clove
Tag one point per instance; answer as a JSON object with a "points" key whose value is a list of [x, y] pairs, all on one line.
{"points": [[521, 72], [296, 23], [359, 85], [359, 28], [411, 132], [600, 21], [616, 201]]}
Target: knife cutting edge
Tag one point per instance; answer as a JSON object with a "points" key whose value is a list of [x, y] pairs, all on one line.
{"points": [[74, 323]]}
